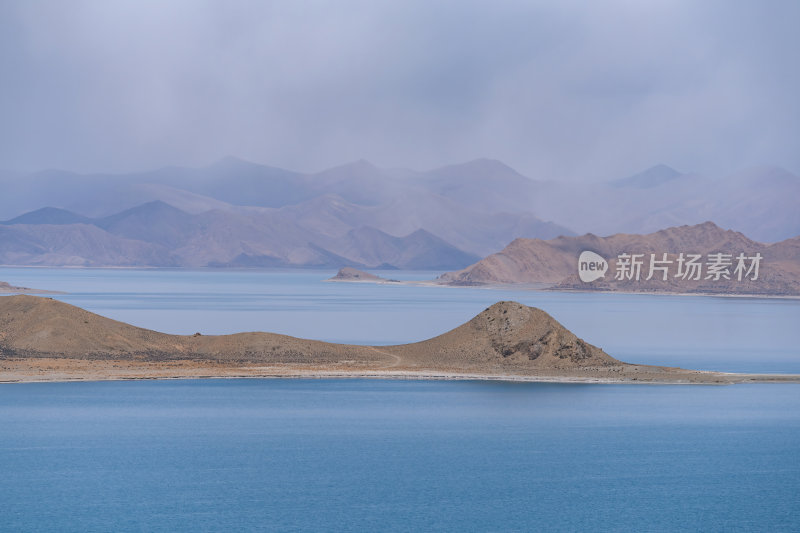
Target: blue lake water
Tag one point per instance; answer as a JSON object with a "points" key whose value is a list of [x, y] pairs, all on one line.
{"points": [[359, 455]]}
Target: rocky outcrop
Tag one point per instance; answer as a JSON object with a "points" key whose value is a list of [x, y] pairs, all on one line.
{"points": [[353, 274]]}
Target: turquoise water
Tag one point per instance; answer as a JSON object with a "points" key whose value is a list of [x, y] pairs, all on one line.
{"points": [[359, 455]]}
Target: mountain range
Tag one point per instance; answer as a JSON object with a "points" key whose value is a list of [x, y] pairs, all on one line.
{"points": [[240, 214], [158, 234]]}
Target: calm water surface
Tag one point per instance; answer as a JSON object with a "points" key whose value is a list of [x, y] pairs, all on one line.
{"points": [[387, 455], [358, 455]]}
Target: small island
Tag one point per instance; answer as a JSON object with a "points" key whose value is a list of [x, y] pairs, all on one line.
{"points": [[353, 275]]}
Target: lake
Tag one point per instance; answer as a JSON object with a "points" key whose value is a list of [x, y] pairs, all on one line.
{"points": [[356, 455]]}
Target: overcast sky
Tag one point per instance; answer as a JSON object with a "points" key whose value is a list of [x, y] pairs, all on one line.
{"points": [[576, 90]]}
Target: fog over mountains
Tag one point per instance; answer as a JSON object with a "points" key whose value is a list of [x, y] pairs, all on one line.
{"points": [[241, 214], [760, 202]]}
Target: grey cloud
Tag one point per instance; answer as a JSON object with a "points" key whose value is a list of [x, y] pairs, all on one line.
{"points": [[573, 90]]}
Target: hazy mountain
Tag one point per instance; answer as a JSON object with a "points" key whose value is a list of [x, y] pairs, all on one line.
{"points": [[418, 250], [96, 195], [647, 179], [157, 234], [76, 245], [760, 202], [49, 215], [155, 222], [236, 182], [360, 183], [310, 256], [476, 207], [266, 215], [485, 185], [474, 231]]}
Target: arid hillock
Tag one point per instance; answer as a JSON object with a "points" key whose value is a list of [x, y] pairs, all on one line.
{"points": [[508, 335], [42, 327], [32, 326]]}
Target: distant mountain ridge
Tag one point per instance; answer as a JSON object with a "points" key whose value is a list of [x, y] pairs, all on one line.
{"points": [[647, 179], [236, 213], [760, 202], [158, 234], [48, 215], [763, 202]]}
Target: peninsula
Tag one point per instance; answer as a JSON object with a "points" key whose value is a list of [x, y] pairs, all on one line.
{"points": [[42, 339]]}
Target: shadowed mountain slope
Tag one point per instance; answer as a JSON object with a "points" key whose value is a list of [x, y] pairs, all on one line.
{"points": [[48, 215]]}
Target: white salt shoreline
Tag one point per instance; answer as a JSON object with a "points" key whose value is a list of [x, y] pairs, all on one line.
{"points": [[423, 376]]}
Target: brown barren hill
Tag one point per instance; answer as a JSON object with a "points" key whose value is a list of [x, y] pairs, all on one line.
{"points": [[32, 327], [555, 262], [43, 339], [508, 336]]}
